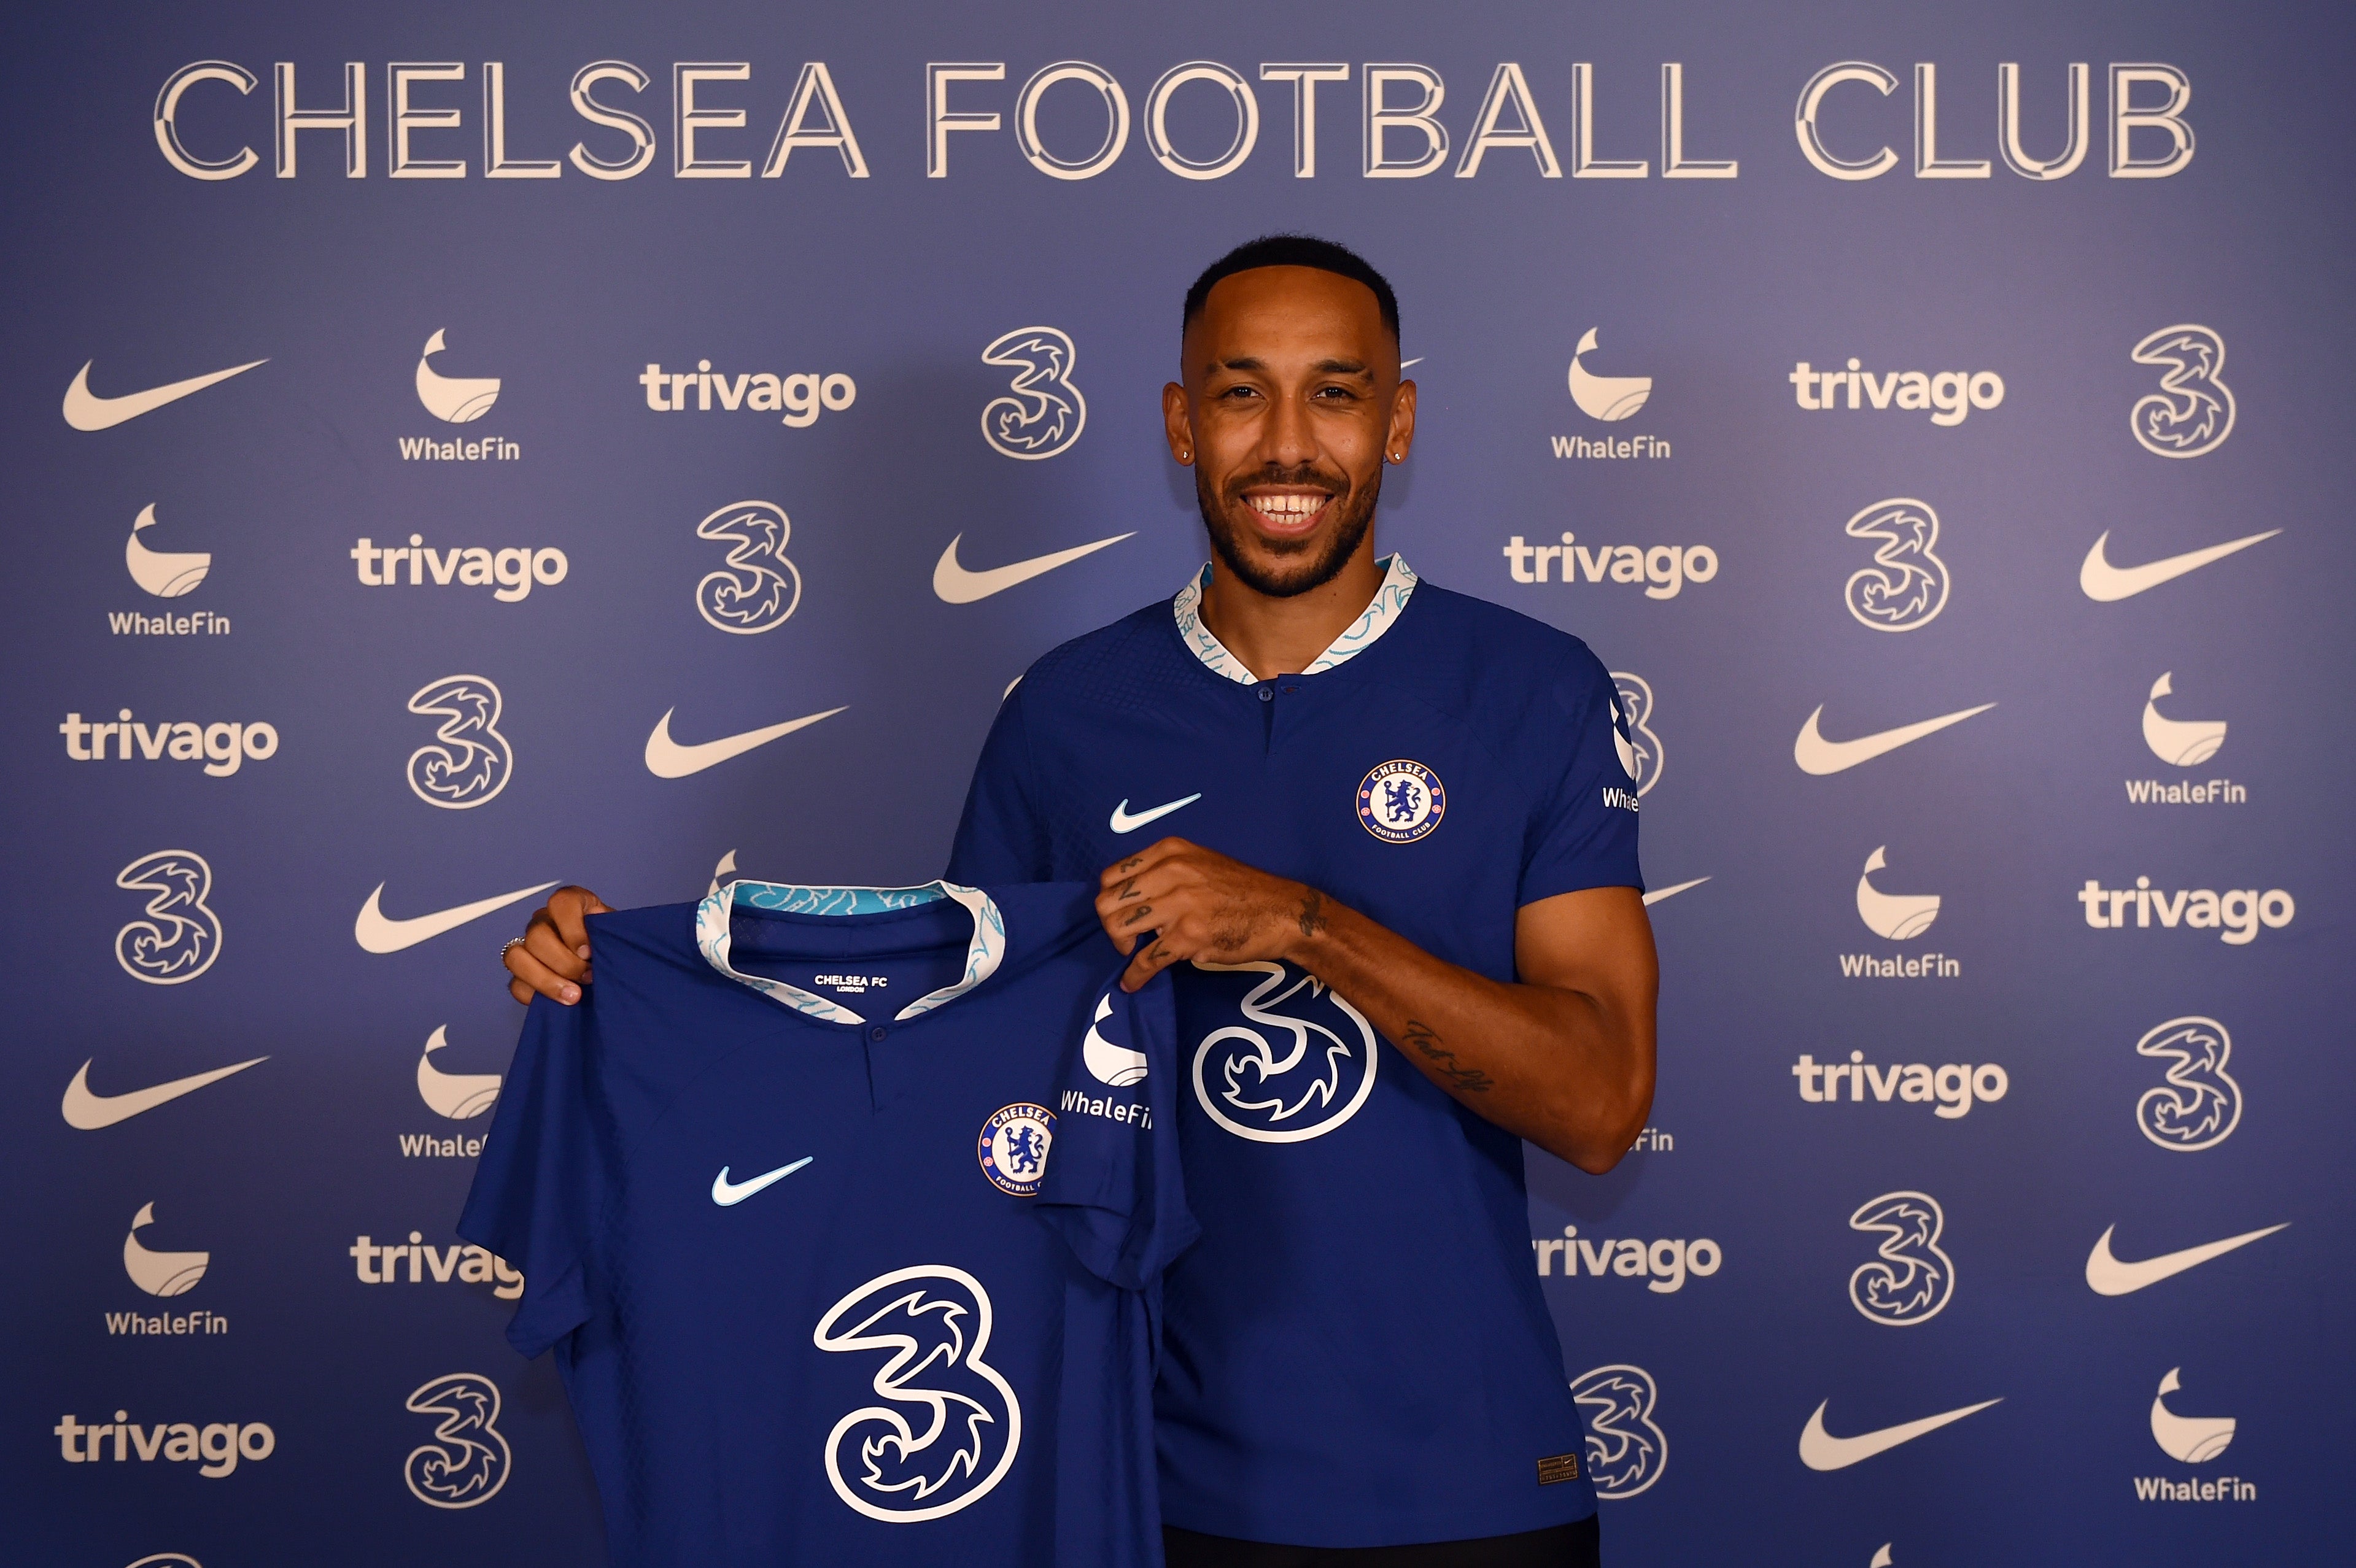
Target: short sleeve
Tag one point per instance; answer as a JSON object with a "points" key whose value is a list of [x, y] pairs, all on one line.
{"points": [[1001, 837], [539, 1185], [1582, 828], [1113, 1185]]}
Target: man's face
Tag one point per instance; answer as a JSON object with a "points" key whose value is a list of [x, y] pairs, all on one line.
{"points": [[1290, 405]]}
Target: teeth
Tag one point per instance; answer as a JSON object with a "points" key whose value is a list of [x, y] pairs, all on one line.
{"points": [[1287, 508]]}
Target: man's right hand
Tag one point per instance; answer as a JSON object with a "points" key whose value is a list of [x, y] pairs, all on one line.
{"points": [[553, 959]]}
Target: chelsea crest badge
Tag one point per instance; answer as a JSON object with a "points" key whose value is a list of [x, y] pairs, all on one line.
{"points": [[1013, 1148], [1401, 802]]}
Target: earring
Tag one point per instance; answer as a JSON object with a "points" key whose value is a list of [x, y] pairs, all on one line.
{"points": [[1187, 456]]}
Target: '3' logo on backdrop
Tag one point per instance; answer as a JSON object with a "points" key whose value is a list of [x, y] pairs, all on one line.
{"points": [[181, 937], [1910, 1280], [469, 760], [1906, 586], [759, 588], [2193, 412], [467, 1460], [1042, 413]]}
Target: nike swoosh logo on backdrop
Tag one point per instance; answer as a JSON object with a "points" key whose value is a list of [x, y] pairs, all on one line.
{"points": [[85, 410], [956, 585], [2108, 1275], [667, 758], [89, 1112], [376, 931], [1819, 756], [1122, 822], [1658, 894], [725, 1192], [2108, 583], [1820, 1450]]}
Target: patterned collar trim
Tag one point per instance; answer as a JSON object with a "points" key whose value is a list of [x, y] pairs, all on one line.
{"points": [[982, 956], [1379, 616]]}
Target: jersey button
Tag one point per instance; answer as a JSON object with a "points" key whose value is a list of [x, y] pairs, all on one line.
{"points": [[878, 1032], [1268, 694]]}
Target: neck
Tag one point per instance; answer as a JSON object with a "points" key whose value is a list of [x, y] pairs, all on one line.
{"points": [[1283, 636]]}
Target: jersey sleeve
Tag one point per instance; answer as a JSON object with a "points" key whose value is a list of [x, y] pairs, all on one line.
{"points": [[1583, 830], [1002, 836], [539, 1184], [1113, 1186]]}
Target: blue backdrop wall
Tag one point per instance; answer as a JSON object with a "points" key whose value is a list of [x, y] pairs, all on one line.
{"points": [[1935, 412]]}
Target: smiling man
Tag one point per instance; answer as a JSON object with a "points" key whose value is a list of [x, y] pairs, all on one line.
{"points": [[1407, 916]]}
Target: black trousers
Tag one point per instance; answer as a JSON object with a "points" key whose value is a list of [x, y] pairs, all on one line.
{"points": [[1563, 1546]]}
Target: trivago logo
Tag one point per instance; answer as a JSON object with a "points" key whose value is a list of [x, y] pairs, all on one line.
{"points": [[2236, 915], [223, 747], [1950, 1089], [509, 572], [374, 1263], [796, 399], [1947, 396], [215, 1448], [1663, 1265], [1662, 569]]}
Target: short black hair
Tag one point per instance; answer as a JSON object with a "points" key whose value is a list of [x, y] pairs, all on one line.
{"points": [[1294, 251]]}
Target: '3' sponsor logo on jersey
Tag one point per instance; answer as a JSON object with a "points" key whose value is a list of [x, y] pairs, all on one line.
{"points": [[1281, 1077], [932, 1325]]}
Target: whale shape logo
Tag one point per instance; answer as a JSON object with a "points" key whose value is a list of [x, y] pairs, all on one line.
{"points": [[1113, 1065], [461, 1096], [455, 400], [2182, 742], [166, 575], [175, 1273], [2195, 1439], [1901, 917], [1606, 398]]}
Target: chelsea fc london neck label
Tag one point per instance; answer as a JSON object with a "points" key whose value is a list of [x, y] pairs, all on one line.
{"points": [[1013, 1148], [1401, 802]]}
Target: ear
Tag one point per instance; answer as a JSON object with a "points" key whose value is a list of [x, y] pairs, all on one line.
{"points": [[1178, 423], [1400, 439]]}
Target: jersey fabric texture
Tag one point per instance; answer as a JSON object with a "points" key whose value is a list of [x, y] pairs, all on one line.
{"points": [[1357, 1352], [780, 1185]]}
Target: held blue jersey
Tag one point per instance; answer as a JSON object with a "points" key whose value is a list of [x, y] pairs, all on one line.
{"points": [[782, 1190], [1357, 1352]]}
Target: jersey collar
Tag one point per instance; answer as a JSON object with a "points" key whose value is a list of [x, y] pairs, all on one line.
{"points": [[1379, 616], [982, 955]]}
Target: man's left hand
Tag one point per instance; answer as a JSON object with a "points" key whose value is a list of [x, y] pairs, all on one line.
{"points": [[1198, 903]]}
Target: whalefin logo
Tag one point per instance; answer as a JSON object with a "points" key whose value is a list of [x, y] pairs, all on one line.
{"points": [[181, 937], [160, 1274], [1303, 1091], [467, 1460], [757, 588], [1041, 412], [1605, 398], [933, 1323], [461, 1096], [469, 762], [1640, 757], [1909, 1279], [2193, 412], [1114, 1064], [1901, 917], [2199, 1104], [167, 575], [1626, 1449], [2181, 743], [2194, 1439], [450, 399]]}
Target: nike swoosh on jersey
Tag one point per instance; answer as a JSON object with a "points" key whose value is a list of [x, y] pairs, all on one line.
{"points": [[1658, 894], [2107, 584], [667, 758], [1820, 1450], [957, 585], [2108, 1275], [1819, 756], [1122, 822], [85, 410], [89, 1112], [725, 1192], [378, 932]]}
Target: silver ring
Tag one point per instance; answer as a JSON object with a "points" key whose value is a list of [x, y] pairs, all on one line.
{"points": [[510, 942]]}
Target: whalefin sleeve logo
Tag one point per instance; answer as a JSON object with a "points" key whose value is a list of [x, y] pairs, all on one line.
{"points": [[2193, 412], [1110, 1063], [468, 761], [1286, 1076], [949, 1426], [1910, 1280], [181, 937], [451, 399], [1626, 1449], [2199, 1104], [1041, 412], [467, 1460], [165, 574]]}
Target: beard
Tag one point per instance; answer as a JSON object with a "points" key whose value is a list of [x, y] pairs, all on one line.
{"points": [[1302, 564]]}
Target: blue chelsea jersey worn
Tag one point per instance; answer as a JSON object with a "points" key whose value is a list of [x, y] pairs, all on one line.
{"points": [[1355, 1352], [845, 1211]]}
